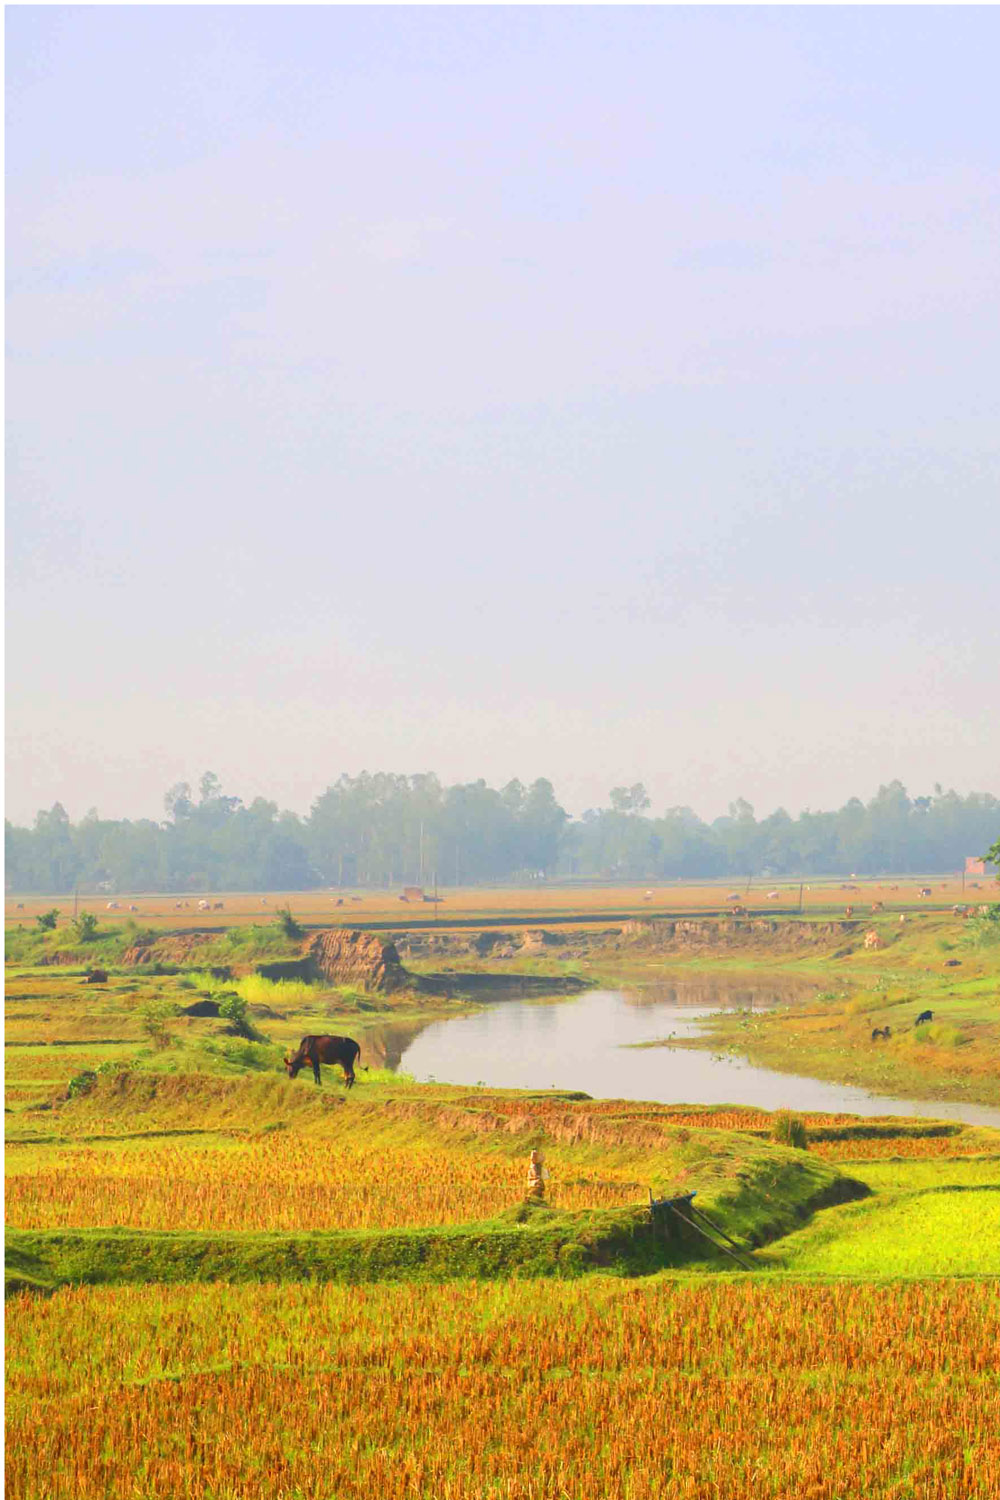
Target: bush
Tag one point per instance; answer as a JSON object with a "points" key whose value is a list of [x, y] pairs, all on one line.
{"points": [[289, 926], [983, 931], [155, 1015], [233, 1008], [790, 1130], [82, 1083], [48, 919], [85, 927]]}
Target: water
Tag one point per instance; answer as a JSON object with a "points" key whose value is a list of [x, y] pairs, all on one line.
{"points": [[584, 1043]]}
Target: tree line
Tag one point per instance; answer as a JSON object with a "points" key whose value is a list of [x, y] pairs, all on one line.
{"points": [[385, 830]]}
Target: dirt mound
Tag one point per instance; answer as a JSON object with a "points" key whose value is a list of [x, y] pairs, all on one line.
{"points": [[171, 948], [342, 956], [201, 1008]]}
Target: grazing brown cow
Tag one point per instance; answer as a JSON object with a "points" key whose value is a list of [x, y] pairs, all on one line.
{"points": [[325, 1049]]}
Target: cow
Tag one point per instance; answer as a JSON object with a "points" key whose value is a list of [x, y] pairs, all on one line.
{"points": [[218, 905], [925, 1015], [848, 911], [325, 1049], [882, 1033], [878, 906], [925, 890], [872, 939]]}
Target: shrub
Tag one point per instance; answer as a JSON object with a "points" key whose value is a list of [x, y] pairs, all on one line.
{"points": [[289, 926], [82, 1083], [48, 919], [85, 927], [983, 930], [789, 1130], [155, 1015]]}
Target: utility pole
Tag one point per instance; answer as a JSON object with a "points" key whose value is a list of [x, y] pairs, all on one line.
{"points": [[420, 882], [801, 885]]}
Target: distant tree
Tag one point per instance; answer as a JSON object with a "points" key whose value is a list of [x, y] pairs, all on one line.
{"points": [[177, 801], [629, 799], [48, 919], [209, 787]]}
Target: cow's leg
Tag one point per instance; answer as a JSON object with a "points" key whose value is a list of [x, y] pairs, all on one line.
{"points": [[319, 1081], [349, 1075]]}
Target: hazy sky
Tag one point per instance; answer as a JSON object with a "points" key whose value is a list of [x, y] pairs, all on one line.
{"points": [[607, 394]]}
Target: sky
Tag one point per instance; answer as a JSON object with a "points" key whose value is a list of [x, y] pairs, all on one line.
{"points": [[601, 393]]}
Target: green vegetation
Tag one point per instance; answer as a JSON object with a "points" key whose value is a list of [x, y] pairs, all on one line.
{"points": [[84, 927], [790, 1130], [940, 1219], [289, 926], [155, 1016]]}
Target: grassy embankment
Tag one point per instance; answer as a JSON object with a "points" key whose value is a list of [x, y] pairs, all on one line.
{"points": [[175, 1176]]}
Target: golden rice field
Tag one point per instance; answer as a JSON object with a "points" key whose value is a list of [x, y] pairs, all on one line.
{"points": [[281, 1183], [673, 1389]]}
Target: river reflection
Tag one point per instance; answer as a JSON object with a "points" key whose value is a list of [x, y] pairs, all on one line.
{"points": [[588, 1043]]}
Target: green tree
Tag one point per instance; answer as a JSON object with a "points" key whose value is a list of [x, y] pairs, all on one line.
{"points": [[85, 927]]}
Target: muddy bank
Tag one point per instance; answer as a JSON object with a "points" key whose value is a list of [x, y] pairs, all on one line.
{"points": [[531, 942], [726, 934]]}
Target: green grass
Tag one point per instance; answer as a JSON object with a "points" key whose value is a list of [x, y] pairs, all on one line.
{"points": [[938, 1231]]}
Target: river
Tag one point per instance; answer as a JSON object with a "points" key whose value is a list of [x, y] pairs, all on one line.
{"points": [[588, 1042]]}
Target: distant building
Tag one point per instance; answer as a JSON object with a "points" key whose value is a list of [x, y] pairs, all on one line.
{"points": [[974, 866]]}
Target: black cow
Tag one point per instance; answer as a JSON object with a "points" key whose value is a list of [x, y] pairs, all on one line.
{"points": [[925, 1015], [881, 1032], [325, 1049]]}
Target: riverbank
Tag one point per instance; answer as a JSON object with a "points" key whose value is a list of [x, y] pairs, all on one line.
{"points": [[953, 1057]]}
